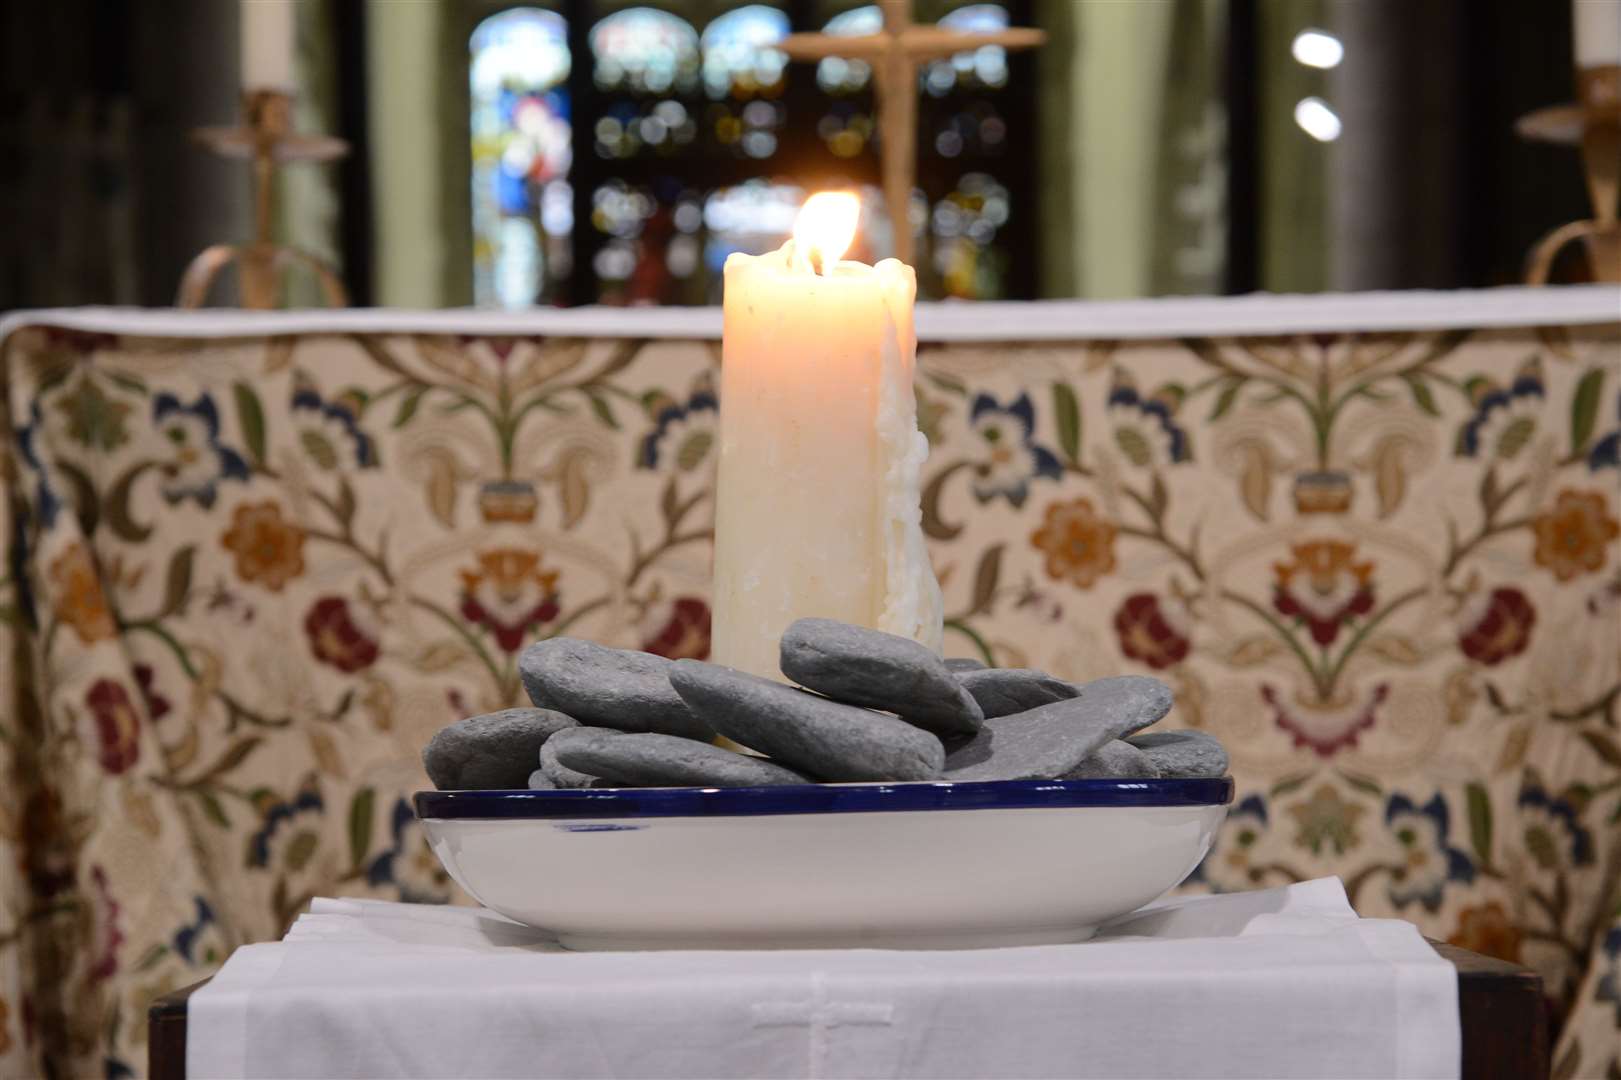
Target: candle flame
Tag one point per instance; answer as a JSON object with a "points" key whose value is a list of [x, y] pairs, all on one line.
{"points": [[824, 229]]}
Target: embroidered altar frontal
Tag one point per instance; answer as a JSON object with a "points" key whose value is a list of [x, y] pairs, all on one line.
{"points": [[254, 562]]}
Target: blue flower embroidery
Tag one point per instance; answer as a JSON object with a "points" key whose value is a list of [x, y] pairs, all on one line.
{"points": [[1013, 457], [1504, 418], [277, 814], [186, 938], [1553, 832], [46, 502], [1606, 452], [199, 462], [684, 430], [1427, 862], [407, 863], [330, 431], [1609, 984], [1145, 428]]}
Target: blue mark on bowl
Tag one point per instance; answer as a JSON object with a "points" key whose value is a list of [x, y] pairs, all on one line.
{"points": [[590, 826]]}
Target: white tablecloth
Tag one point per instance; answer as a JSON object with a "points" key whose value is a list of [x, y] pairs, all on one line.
{"points": [[1282, 982]]}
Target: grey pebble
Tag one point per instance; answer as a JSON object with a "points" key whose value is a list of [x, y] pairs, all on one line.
{"points": [[1183, 753], [858, 666], [539, 781], [960, 664], [820, 738], [1005, 691], [559, 774], [650, 760], [614, 688], [1118, 760], [493, 751], [1048, 742]]}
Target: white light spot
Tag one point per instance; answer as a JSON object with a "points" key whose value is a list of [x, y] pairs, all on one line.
{"points": [[1318, 49], [1317, 119]]}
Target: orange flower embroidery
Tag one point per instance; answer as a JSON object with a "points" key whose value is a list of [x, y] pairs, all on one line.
{"points": [[1487, 929], [1324, 585], [269, 549], [79, 600], [510, 594], [1572, 538], [1079, 544]]}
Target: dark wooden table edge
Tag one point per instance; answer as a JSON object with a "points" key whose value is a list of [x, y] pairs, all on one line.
{"points": [[1502, 1015]]}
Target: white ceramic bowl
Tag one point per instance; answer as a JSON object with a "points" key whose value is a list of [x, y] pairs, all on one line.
{"points": [[931, 865]]}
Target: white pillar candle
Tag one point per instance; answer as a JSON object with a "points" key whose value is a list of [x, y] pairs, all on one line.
{"points": [[267, 44], [817, 504], [1597, 26]]}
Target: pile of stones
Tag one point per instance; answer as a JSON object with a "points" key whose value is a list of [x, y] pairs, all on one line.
{"points": [[875, 707]]}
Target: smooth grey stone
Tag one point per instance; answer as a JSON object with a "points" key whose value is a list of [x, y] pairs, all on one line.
{"points": [[539, 781], [559, 774], [493, 751], [650, 760], [614, 688], [858, 666], [820, 738], [1049, 742], [1005, 691], [1117, 760], [960, 664], [1183, 753]]}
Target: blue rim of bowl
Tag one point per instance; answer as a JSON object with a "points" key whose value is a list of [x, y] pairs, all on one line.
{"points": [[819, 799]]}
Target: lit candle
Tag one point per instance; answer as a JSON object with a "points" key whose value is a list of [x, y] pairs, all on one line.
{"points": [[1597, 31], [817, 509], [267, 44]]}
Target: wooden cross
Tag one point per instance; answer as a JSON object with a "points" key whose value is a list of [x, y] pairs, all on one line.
{"points": [[895, 53]]}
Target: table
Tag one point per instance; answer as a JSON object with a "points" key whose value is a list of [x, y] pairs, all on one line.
{"points": [[1500, 1009]]}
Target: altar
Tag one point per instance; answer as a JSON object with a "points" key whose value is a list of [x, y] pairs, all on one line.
{"points": [[255, 560]]}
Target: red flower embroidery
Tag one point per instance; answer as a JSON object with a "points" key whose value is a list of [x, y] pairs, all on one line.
{"points": [[108, 937], [157, 706], [1148, 633], [336, 638], [510, 594], [1325, 586], [682, 630], [118, 726], [1326, 727], [1497, 626]]}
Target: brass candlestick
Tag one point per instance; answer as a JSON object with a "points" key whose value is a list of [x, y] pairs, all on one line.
{"points": [[266, 138], [1594, 122]]}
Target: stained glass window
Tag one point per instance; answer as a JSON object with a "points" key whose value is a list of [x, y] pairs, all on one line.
{"points": [[645, 50], [522, 144], [738, 58]]}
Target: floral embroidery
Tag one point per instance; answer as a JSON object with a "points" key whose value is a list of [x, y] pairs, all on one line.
{"points": [[276, 815], [681, 630], [1151, 633], [269, 549], [104, 921], [157, 706], [46, 501], [1428, 863], [510, 595], [1554, 834], [79, 599], [329, 431], [1574, 537], [1496, 626], [686, 431], [1488, 930], [118, 728], [338, 638], [185, 939], [1145, 429], [1325, 726], [1012, 459], [1609, 984], [1324, 586], [94, 420], [1606, 451], [1077, 543], [199, 461], [408, 863], [1505, 418], [1327, 820]]}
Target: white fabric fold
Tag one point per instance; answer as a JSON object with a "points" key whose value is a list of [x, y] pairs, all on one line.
{"points": [[1279, 982]]}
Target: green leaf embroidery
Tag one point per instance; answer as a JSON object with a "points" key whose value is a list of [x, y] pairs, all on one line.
{"points": [[1225, 399], [599, 405], [250, 414], [94, 420], [1422, 397], [1584, 409], [212, 809], [360, 825], [300, 849], [1604, 746], [985, 579], [408, 406], [1480, 822], [177, 582], [1067, 414], [116, 509]]}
